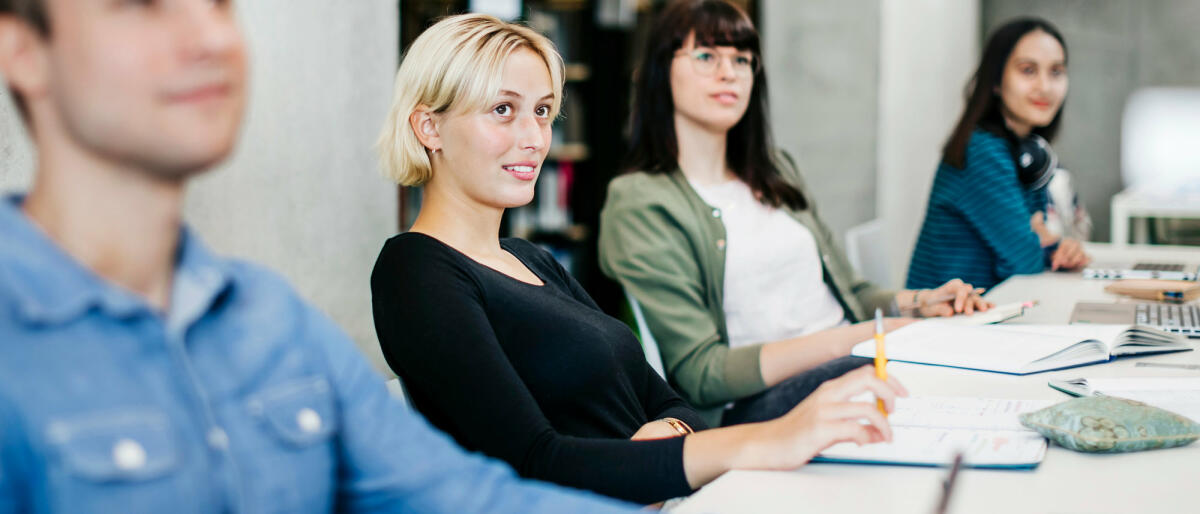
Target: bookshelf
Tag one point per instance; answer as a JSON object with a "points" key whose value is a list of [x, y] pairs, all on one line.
{"points": [[550, 219]]}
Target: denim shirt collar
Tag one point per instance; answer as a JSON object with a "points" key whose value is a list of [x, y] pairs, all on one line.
{"points": [[50, 287]]}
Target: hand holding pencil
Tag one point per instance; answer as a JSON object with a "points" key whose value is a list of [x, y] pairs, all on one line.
{"points": [[953, 297], [832, 414]]}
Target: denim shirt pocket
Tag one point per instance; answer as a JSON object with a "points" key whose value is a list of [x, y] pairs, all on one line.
{"points": [[299, 413], [116, 446]]}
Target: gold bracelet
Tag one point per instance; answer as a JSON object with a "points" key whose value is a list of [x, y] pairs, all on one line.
{"points": [[679, 426]]}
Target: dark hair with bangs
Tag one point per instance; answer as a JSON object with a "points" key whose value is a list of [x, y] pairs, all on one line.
{"points": [[32, 12], [983, 104], [653, 145]]}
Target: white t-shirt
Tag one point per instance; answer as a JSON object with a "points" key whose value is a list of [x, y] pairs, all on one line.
{"points": [[774, 287]]}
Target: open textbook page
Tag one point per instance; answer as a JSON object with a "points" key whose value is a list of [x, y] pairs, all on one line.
{"points": [[1018, 349]]}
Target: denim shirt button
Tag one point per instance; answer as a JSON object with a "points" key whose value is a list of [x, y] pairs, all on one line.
{"points": [[720, 244], [308, 420], [129, 455], [218, 439], [716, 213]]}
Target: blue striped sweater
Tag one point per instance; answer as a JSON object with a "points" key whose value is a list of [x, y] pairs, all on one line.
{"points": [[977, 223]]}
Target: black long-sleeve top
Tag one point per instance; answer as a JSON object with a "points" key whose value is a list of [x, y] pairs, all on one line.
{"points": [[535, 375]]}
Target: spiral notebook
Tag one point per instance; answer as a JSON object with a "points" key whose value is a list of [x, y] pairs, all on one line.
{"points": [[930, 430]]}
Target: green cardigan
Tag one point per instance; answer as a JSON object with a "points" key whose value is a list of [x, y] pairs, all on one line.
{"points": [[665, 246]]}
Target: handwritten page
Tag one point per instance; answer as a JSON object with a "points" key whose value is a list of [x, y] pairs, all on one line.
{"points": [[957, 412], [930, 430], [937, 446]]}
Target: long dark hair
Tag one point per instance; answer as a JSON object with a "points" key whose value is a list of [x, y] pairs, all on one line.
{"points": [[748, 151], [983, 104]]}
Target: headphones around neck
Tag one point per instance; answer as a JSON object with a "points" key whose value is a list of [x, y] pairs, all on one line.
{"points": [[1036, 162]]}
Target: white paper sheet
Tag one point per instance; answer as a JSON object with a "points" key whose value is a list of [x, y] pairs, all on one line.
{"points": [[930, 430], [1180, 395]]}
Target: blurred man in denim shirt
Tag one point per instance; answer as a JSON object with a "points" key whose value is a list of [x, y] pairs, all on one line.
{"points": [[138, 371]]}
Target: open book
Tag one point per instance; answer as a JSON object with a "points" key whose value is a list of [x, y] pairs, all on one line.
{"points": [[1180, 395], [929, 431], [1019, 349]]}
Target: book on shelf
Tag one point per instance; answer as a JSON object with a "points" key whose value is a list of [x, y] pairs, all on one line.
{"points": [[550, 210]]}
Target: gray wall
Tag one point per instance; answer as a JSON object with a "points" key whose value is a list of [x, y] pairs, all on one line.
{"points": [[863, 94], [1115, 47], [929, 49], [16, 154], [822, 59], [301, 194]]}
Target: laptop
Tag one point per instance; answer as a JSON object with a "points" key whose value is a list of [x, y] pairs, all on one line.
{"points": [[1181, 319], [1143, 270]]}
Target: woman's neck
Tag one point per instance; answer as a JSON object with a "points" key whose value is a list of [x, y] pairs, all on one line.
{"points": [[701, 155], [450, 216], [1021, 129]]}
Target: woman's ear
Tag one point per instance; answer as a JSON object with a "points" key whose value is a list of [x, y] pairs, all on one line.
{"points": [[425, 125]]}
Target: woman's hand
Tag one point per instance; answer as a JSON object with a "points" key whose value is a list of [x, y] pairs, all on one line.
{"points": [[657, 429], [1037, 223], [825, 418], [1069, 255], [953, 297]]}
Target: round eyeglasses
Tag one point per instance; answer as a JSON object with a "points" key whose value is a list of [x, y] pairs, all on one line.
{"points": [[706, 61]]}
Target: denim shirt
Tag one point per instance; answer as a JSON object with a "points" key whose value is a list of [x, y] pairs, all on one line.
{"points": [[241, 398]]}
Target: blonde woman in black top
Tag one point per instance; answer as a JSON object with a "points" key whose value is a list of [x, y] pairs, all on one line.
{"points": [[497, 345]]}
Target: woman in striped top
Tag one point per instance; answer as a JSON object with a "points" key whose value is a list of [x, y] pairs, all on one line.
{"points": [[985, 218]]}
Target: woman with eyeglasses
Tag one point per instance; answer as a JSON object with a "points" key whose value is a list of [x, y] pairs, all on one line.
{"points": [[714, 234], [985, 218]]}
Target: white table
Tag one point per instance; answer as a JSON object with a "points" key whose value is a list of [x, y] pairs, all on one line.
{"points": [[1066, 482], [1130, 204]]}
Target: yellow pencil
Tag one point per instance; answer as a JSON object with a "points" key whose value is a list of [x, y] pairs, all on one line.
{"points": [[880, 357]]}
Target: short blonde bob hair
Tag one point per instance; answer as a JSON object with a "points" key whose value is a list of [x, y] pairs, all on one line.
{"points": [[456, 63]]}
